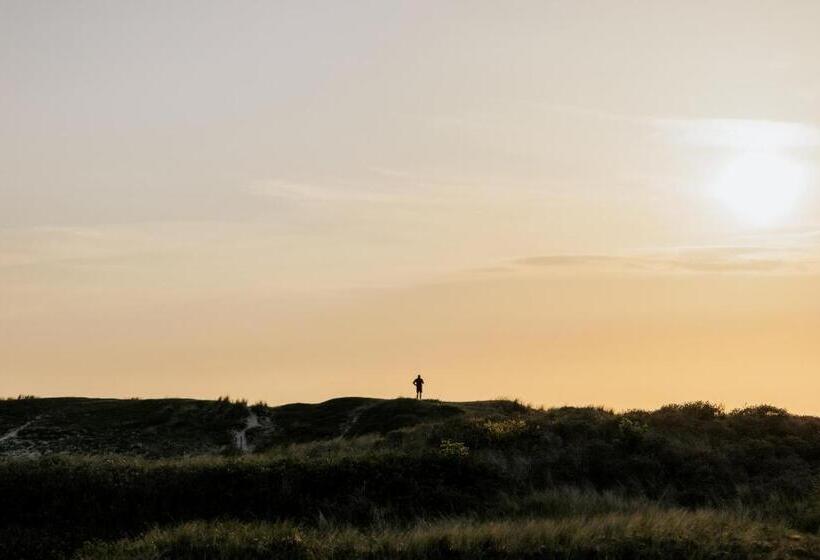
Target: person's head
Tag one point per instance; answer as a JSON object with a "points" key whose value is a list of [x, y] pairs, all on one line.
{"points": [[418, 376]]}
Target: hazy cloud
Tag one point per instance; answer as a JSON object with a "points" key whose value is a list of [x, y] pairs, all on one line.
{"points": [[692, 259], [742, 133], [113, 243], [287, 190], [794, 237]]}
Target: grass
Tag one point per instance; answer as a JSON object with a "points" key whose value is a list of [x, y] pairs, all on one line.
{"points": [[407, 479], [175, 427], [149, 427], [649, 534]]}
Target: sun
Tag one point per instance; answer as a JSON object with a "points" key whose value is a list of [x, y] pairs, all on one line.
{"points": [[761, 189]]}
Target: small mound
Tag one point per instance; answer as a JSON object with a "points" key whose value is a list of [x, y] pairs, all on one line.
{"points": [[386, 416]]}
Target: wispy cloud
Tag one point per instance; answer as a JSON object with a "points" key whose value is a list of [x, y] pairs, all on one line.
{"points": [[112, 244], [740, 259], [296, 191], [26, 246], [791, 237], [741, 134]]}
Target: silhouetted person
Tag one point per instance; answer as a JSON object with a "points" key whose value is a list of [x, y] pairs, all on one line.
{"points": [[419, 383]]}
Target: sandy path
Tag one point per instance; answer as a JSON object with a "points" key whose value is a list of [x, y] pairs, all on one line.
{"points": [[240, 437], [12, 434], [354, 417]]}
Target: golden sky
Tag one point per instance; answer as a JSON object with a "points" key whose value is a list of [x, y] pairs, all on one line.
{"points": [[596, 202]]}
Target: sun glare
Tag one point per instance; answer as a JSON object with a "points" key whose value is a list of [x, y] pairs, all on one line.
{"points": [[761, 189]]}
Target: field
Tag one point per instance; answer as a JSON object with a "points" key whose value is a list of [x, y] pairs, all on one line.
{"points": [[357, 478]]}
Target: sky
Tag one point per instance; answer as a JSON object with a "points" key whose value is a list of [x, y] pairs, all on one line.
{"points": [[571, 203]]}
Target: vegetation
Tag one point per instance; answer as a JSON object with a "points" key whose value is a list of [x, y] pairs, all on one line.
{"points": [[147, 427], [367, 478], [666, 534]]}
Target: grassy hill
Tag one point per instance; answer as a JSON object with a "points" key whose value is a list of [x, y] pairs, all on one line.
{"points": [[159, 427], [368, 478], [175, 427]]}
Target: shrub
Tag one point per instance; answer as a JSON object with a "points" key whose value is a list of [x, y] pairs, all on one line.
{"points": [[503, 429], [698, 410], [453, 449], [760, 411]]}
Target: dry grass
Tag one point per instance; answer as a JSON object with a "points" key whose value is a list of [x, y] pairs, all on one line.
{"points": [[650, 534]]}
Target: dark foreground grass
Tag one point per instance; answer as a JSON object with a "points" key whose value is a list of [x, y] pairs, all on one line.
{"points": [[51, 506], [652, 534]]}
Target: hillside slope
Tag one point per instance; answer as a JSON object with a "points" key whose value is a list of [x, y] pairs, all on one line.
{"points": [[174, 427], [161, 427]]}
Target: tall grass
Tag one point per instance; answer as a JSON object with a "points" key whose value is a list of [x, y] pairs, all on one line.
{"points": [[668, 535]]}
